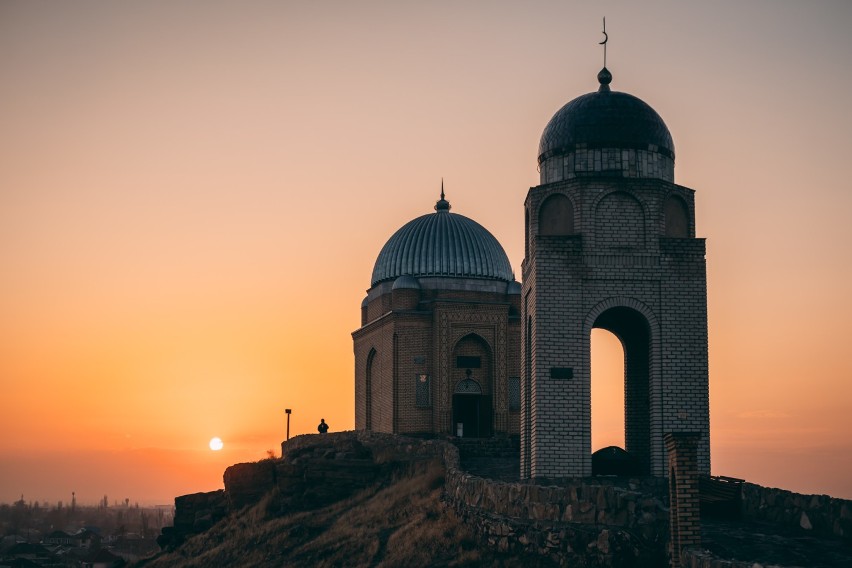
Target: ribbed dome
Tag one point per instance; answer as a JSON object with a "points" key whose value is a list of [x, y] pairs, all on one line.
{"points": [[442, 244], [605, 119]]}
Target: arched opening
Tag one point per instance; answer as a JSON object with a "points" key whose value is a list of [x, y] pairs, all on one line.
{"points": [[676, 218], [632, 331], [607, 390], [368, 391], [472, 388], [556, 216]]}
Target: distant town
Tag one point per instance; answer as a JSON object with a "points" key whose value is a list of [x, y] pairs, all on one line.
{"points": [[108, 535]]}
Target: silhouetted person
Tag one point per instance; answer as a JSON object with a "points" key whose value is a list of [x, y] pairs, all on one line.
{"points": [[323, 427]]}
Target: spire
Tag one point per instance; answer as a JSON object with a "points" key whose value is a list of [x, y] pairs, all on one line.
{"points": [[442, 204], [604, 76]]}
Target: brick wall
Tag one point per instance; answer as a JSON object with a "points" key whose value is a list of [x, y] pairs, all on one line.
{"points": [[418, 334], [617, 262]]}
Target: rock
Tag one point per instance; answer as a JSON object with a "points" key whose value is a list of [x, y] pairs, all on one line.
{"points": [[603, 541], [805, 522]]}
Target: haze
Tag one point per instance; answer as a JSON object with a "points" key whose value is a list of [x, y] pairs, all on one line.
{"points": [[192, 196]]}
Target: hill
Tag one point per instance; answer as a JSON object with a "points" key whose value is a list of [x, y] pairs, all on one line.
{"points": [[400, 520]]}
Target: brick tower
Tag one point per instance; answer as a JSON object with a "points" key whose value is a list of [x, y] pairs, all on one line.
{"points": [[610, 243]]}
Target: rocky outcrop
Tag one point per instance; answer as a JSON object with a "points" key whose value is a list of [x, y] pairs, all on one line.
{"points": [[194, 514], [314, 470], [247, 483]]}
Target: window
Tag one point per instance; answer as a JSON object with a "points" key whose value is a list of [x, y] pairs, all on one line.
{"points": [[423, 398], [514, 393]]}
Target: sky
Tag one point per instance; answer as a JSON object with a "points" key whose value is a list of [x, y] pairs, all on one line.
{"points": [[193, 194]]}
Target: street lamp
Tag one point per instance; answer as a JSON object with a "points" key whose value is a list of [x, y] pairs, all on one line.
{"points": [[288, 411]]}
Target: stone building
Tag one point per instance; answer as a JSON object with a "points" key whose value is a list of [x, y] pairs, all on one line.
{"points": [[438, 350], [610, 243]]}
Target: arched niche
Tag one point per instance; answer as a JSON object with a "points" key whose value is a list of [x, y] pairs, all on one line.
{"points": [[619, 221], [368, 391], [675, 218], [556, 216], [472, 386]]}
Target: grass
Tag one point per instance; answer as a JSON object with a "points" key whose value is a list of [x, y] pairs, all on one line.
{"points": [[400, 523]]}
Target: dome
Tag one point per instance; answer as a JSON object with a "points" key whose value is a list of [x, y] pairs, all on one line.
{"points": [[406, 282], [605, 119], [442, 244]]}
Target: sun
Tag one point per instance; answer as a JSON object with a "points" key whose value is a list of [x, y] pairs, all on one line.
{"points": [[216, 444]]}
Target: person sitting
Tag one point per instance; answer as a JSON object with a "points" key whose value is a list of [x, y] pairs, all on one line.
{"points": [[323, 427]]}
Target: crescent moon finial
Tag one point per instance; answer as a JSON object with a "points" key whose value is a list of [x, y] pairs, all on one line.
{"points": [[606, 39]]}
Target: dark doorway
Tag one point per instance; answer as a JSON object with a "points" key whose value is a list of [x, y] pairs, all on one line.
{"points": [[471, 416], [466, 415]]}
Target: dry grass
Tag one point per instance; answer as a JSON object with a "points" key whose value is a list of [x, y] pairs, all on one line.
{"points": [[403, 523]]}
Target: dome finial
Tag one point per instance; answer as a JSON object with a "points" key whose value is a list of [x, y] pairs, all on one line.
{"points": [[604, 76], [443, 204]]}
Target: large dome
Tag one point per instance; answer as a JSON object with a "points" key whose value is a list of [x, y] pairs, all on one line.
{"points": [[442, 244], [605, 119]]}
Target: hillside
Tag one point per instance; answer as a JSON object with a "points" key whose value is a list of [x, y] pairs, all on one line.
{"points": [[398, 521]]}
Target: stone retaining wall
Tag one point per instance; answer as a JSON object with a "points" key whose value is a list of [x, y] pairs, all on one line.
{"points": [[572, 520], [821, 514]]}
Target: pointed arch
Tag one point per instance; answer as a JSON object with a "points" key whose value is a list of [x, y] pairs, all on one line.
{"points": [[368, 391]]}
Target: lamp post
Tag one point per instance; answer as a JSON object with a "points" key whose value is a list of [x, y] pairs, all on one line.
{"points": [[288, 411]]}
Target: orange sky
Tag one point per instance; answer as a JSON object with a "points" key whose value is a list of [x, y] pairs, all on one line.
{"points": [[192, 196]]}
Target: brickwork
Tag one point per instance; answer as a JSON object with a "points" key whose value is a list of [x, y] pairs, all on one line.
{"points": [[619, 272], [418, 332], [628, 163], [684, 508]]}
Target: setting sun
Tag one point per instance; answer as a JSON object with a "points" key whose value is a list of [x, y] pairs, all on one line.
{"points": [[193, 200]]}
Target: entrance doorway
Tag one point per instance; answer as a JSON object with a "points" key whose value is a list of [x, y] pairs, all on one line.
{"points": [[471, 411]]}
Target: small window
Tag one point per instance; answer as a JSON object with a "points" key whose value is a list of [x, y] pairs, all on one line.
{"points": [[422, 392], [467, 362], [514, 393]]}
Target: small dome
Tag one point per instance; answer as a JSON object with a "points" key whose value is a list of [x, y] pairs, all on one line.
{"points": [[605, 119], [406, 282], [365, 301], [514, 288], [442, 244]]}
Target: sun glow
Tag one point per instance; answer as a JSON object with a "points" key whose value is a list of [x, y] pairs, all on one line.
{"points": [[216, 444]]}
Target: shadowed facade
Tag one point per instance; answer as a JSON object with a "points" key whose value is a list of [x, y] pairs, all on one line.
{"points": [[610, 243], [438, 350]]}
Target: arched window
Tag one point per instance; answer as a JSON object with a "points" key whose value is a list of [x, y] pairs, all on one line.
{"points": [[556, 216], [676, 216]]}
